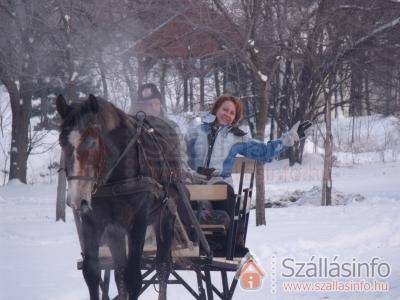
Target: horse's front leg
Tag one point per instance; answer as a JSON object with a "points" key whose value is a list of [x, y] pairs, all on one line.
{"points": [[165, 235], [90, 267], [116, 242], [133, 274]]}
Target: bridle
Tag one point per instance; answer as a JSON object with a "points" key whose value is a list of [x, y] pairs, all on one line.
{"points": [[102, 188], [99, 180]]}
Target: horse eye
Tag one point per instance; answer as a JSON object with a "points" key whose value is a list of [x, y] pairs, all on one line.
{"points": [[90, 143]]}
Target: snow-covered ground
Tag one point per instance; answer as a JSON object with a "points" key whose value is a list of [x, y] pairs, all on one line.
{"points": [[38, 255]]}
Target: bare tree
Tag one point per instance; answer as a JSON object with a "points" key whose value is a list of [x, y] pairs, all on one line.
{"points": [[21, 35]]}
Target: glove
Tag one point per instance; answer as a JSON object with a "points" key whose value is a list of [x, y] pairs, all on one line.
{"points": [[194, 177], [291, 137], [208, 172], [302, 130]]}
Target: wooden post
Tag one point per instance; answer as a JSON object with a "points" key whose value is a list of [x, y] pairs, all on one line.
{"points": [[61, 190]]}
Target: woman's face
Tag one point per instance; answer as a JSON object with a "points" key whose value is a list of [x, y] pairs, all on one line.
{"points": [[226, 113]]}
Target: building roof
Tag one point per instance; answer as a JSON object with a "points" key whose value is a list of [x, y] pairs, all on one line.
{"points": [[194, 33]]}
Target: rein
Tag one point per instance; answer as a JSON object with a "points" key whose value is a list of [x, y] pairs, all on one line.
{"points": [[127, 148]]}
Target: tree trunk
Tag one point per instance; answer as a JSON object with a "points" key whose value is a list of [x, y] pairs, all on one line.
{"points": [[326, 198], [260, 196], [191, 94], [185, 93], [163, 75], [140, 71], [261, 121], [103, 76], [131, 85], [216, 82], [21, 111], [225, 77], [355, 90], [388, 105], [367, 97]]}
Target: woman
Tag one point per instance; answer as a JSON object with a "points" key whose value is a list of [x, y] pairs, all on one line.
{"points": [[213, 145]]}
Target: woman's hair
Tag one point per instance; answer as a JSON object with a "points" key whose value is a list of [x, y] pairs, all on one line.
{"points": [[238, 106]]}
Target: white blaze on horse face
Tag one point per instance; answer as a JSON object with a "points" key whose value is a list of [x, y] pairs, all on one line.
{"points": [[78, 190]]}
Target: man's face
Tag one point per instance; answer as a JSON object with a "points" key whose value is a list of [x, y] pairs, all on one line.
{"points": [[153, 107]]}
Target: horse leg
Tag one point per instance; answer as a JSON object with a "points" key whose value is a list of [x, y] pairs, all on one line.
{"points": [[90, 267], [165, 235], [116, 242], [133, 274]]}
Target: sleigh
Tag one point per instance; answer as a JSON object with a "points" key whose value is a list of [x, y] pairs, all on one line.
{"points": [[200, 259]]}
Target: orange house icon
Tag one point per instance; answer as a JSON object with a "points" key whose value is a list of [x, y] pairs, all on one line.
{"points": [[251, 276]]}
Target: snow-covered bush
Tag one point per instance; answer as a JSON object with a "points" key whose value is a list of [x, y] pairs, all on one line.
{"points": [[364, 139], [312, 197]]}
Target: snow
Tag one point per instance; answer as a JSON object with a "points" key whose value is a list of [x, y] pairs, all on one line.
{"points": [[40, 254], [74, 75], [263, 76]]}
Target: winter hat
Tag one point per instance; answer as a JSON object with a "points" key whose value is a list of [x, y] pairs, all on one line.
{"points": [[148, 91]]}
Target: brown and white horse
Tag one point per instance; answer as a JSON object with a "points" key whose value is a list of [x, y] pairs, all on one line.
{"points": [[119, 169]]}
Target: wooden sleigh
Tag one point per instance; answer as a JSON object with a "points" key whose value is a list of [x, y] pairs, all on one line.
{"points": [[200, 261]]}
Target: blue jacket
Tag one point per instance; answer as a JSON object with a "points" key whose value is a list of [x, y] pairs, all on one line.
{"points": [[229, 142]]}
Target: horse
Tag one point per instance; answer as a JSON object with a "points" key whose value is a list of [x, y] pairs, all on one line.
{"points": [[120, 170]]}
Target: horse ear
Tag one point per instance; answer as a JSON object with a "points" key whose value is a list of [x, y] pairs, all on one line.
{"points": [[62, 107], [92, 104]]}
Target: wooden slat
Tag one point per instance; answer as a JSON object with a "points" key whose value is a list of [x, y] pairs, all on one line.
{"points": [[236, 260], [210, 229], [214, 192], [104, 251], [237, 165], [212, 226]]}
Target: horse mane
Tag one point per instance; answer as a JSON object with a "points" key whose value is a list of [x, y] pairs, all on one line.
{"points": [[110, 116]]}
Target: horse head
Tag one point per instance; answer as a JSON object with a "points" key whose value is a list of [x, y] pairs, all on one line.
{"points": [[83, 147]]}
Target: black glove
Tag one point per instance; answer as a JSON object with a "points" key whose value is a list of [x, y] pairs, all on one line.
{"points": [[301, 131], [206, 171]]}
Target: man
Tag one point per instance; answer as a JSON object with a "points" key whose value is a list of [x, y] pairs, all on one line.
{"points": [[149, 101]]}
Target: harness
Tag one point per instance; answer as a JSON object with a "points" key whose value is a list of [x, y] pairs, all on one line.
{"points": [[133, 185], [129, 186]]}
